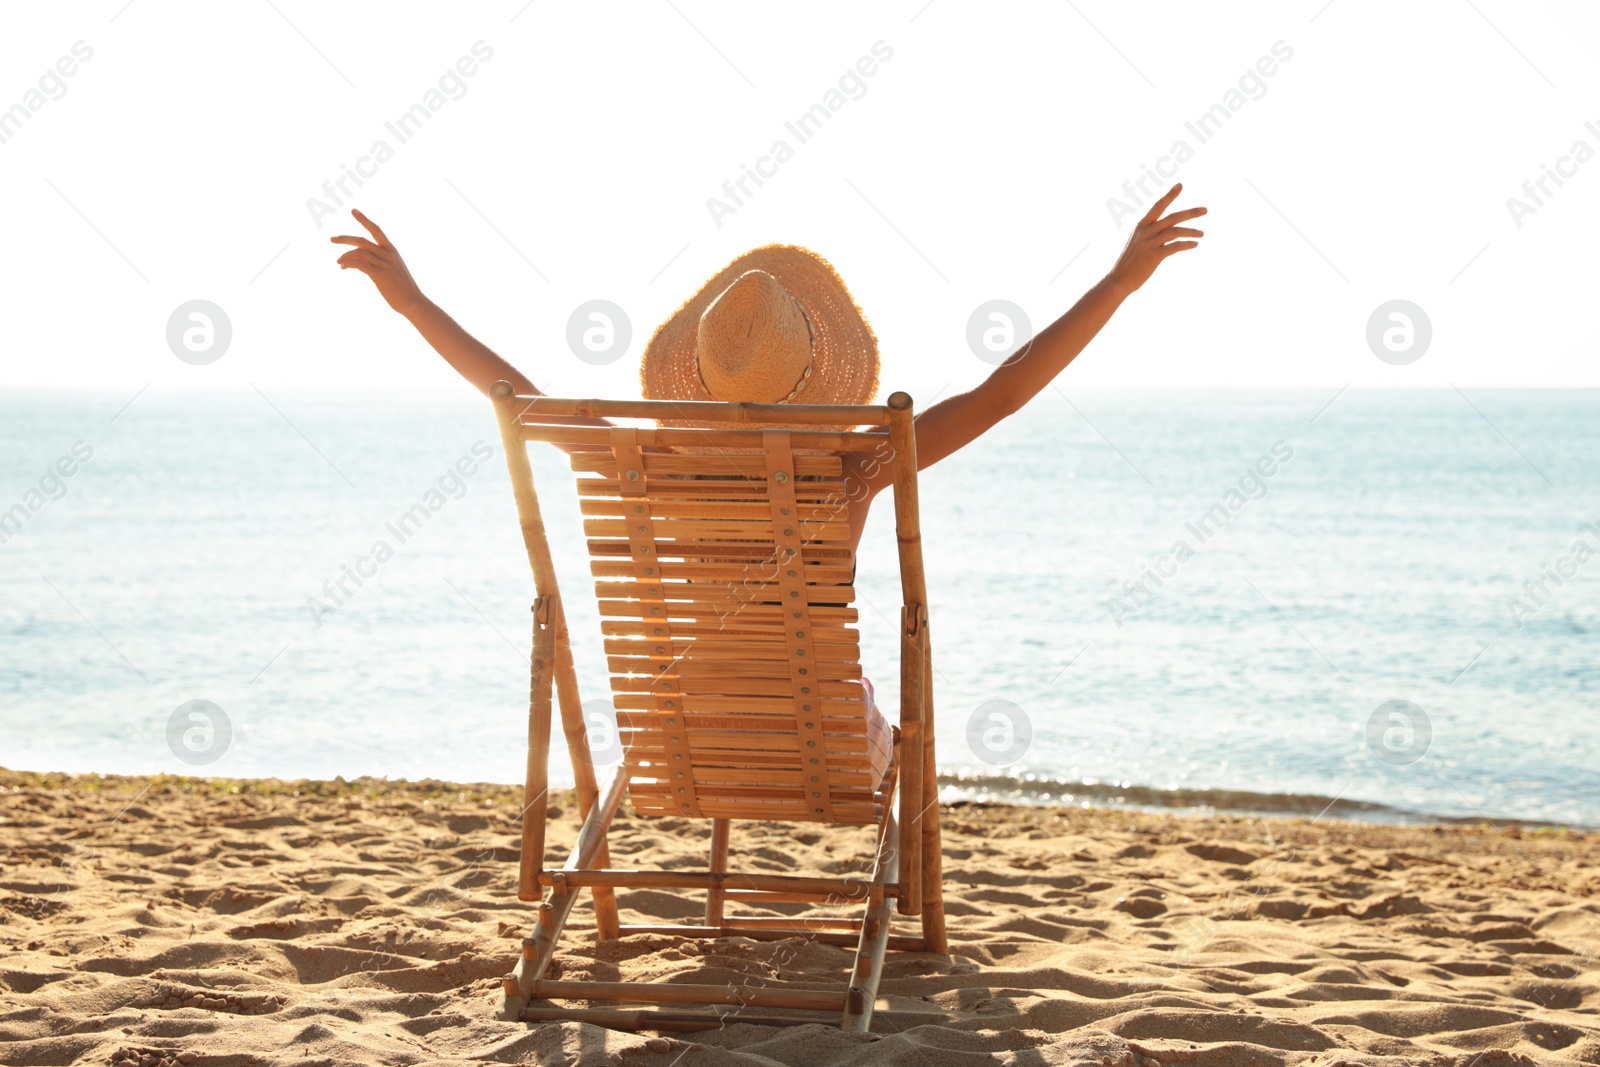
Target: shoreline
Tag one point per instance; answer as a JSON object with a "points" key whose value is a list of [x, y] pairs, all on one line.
{"points": [[1045, 792], [955, 790]]}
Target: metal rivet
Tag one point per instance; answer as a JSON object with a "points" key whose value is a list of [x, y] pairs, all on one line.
{"points": [[633, 475], [799, 633], [794, 592], [788, 532], [680, 774], [781, 477], [814, 762], [683, 789], [811, 744], [649, 570], [655, 611], [671, 721], [638, 509], [804, 671], [783, 511], [814, 778], [811, 726], [805, 707], [644, 529], [819, 810], [805, 689], [661, 648], [677, 755], [798, 615], [674, 738], [816, 794], [799, 651], [669, 704], [659, 630], [792, 574]]}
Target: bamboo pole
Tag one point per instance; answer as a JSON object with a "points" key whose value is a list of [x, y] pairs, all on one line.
{"points": [[822, 937], [541, 664], [913, 656], [809, 923], [862, 995], [830, 888], [699, 411], [852, 896], [538, 949], [717, 894], [583, 776], [592, 836], [533, 534], [596, 438], [665, 1022], [536, 784], [933, 926], [672, 1022], [690, 993]]}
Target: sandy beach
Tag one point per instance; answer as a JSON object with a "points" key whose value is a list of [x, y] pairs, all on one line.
{"points": [[256, 922]]}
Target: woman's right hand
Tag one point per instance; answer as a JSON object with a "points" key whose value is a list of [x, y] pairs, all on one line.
{"points": [[1152, 241], [379, 260]]}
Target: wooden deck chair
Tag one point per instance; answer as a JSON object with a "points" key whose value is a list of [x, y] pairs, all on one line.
{"points": [[725, 578]]}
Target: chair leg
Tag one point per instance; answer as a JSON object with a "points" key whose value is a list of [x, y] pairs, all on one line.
{"points": [[538, 949], [933, 929], [868, 970], [576, 729], [536, 787], [914, 728], [716, 895]]}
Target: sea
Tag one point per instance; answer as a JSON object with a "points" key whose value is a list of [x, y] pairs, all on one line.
{"points": [[1381, 605]]}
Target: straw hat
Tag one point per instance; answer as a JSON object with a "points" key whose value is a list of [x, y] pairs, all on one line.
{"points": [[775, 326]]}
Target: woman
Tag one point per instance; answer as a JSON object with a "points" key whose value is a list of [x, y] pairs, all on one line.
{"points": [[778, 326]]}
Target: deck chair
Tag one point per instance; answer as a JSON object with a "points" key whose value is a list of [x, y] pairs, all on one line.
{"points": [[724, 573]]}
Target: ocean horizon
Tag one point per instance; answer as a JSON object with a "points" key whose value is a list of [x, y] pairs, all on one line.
{"points": [[1365, 604]]}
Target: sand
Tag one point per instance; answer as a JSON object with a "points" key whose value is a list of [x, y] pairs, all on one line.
{"points": [[190, 921]]}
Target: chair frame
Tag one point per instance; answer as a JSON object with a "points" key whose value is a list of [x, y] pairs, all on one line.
{"points": [[907, 865]]}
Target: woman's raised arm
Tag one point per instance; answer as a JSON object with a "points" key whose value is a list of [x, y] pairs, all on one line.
{"points": [[958, 420], [475, 361]]}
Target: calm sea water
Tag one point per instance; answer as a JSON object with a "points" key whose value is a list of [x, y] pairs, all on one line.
{"points": [[1373, 564]]}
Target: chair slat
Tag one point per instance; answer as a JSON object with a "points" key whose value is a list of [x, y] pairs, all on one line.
{"points": [[821, 572], [831, 644], [832, 721], [693, 703], [720, 551], [672, 507], [714, 530], [748, 466], [841, 696], [728, 612], [818, 490], [724, 596]]}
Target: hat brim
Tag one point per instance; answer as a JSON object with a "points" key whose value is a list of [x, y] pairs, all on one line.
{"points": [[844, 353]]}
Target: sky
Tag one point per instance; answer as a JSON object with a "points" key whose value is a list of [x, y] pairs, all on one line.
{"points": [[1365, 153]]}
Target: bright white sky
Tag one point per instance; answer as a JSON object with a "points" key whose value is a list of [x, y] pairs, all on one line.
{"points": [[1377, 165]]}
